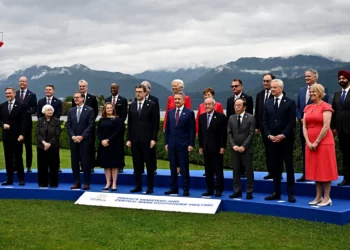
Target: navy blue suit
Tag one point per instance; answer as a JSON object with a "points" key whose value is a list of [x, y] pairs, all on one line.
{"points": [[276, 123], [178, 138], [55, 103], [300, 106], [80, 151]]}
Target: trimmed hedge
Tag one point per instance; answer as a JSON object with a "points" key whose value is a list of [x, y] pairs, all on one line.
{"points": [[196, 158]]}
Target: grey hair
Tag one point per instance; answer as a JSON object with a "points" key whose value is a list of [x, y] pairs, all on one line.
{"points": [[46, 107], [83, 81], [279, 82], [313, 71], [211, 98], [181, 93], [181, 83], [146, 84]]}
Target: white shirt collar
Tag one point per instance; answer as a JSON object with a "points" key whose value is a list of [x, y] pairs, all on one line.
{"points": [[13, 101], [142, 102], [346, 90], [241, 114], [279, 97], [81, 106], [181, 108]]}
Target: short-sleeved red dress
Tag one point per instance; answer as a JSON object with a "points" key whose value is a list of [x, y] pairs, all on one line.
{"points": [[321, 164]]}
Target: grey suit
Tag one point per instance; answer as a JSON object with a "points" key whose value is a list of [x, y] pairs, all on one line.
{"points": [[242, 137]]}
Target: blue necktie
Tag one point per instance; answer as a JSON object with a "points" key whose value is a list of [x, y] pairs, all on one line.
{"points": [[343, 96]]}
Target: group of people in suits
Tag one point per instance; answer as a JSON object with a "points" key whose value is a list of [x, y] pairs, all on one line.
{"points": [[274, 119]]}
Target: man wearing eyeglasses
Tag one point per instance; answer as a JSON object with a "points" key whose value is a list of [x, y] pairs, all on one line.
{"points": [[237, 90]]}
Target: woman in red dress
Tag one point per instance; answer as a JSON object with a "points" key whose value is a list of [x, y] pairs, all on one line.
{"points": [[208, 92], [320, 157]]}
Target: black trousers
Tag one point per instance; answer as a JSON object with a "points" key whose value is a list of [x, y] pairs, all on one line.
{"points": [[13, 150], [282, 153], [179, 158], [213, 163], [80, 153], [48, 163], [344, 143], [28, 146], [141, 154]]}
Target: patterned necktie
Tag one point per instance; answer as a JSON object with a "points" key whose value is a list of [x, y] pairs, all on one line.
{"points": [[276, 105], [343, 96], [78, 114], [177, 116], [239, 122], [48, 101], [22, 95], [113, 100], [307, 97], [10, 107], [267, 96], [139, 109], [208, 121]]}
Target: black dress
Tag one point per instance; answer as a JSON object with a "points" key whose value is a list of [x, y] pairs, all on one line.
{"points": [[111, 129]]}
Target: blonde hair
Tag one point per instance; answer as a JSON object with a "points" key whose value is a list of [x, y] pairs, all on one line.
{"points": [[319, 89]]}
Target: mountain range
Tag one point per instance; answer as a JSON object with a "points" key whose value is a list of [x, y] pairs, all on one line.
{"points": [[249, 70]]}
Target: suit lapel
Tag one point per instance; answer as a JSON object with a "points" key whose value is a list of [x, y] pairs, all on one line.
{"points": [[282, 103], [182, 115]]}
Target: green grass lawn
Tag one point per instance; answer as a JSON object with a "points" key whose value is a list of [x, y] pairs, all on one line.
{"points": [[65, 160], [36, 224]]}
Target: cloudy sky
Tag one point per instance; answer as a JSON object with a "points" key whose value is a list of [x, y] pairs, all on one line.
{"points": [[131, 36]]}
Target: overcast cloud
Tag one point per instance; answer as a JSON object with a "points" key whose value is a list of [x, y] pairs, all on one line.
{"points": [[131, 36]]}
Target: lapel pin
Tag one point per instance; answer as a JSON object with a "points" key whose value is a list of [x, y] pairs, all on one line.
{"points": [[183, 114], [214, 117], [147, 104], [284, 100]]}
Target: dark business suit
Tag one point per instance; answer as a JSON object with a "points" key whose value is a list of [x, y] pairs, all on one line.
{"points": [[178, 138], [121, 108], [142, 128], [91, 101], [30, 102], [242, 136], [211, 138], [154, 149], [55, 103], [341, 122], [230, 109], [275, 123], [80, 151], [48, 161], [17, 120], [259, 117], [300, 106]]}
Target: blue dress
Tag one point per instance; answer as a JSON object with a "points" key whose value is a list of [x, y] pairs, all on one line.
{"points": [[111, 129]]}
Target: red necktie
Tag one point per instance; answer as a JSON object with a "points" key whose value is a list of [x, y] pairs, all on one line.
{"points": [[177, 116]]}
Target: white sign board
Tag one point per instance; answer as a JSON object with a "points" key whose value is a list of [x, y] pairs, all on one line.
{"points": [[150, 202]]}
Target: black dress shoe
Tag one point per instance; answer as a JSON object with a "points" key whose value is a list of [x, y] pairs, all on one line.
{"points": [[268, 177], [106, 188], [59, 170], [155, 171], [243, 175], [114, 189], [29, 170], [149, 191], [136, 189], [273, 196], [186, 193], [172, 191], [208, 193], [291, 198], [344, 183], [204, 174], [301, 179], [249, 196], [235, 195], [218, 194], [6, 183], [21, 183]]}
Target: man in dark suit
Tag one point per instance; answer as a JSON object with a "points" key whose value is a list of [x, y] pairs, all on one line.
{"points": [[240, 131], [28, 98], [237, 90], [212, 139], [13, 118], [303, 99], [90, 101], [341, 122], [279, 125], [154, 99], [142, 137], [121, 107], [180, 132], [80, 122], [50, 99], [261, 98]]}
